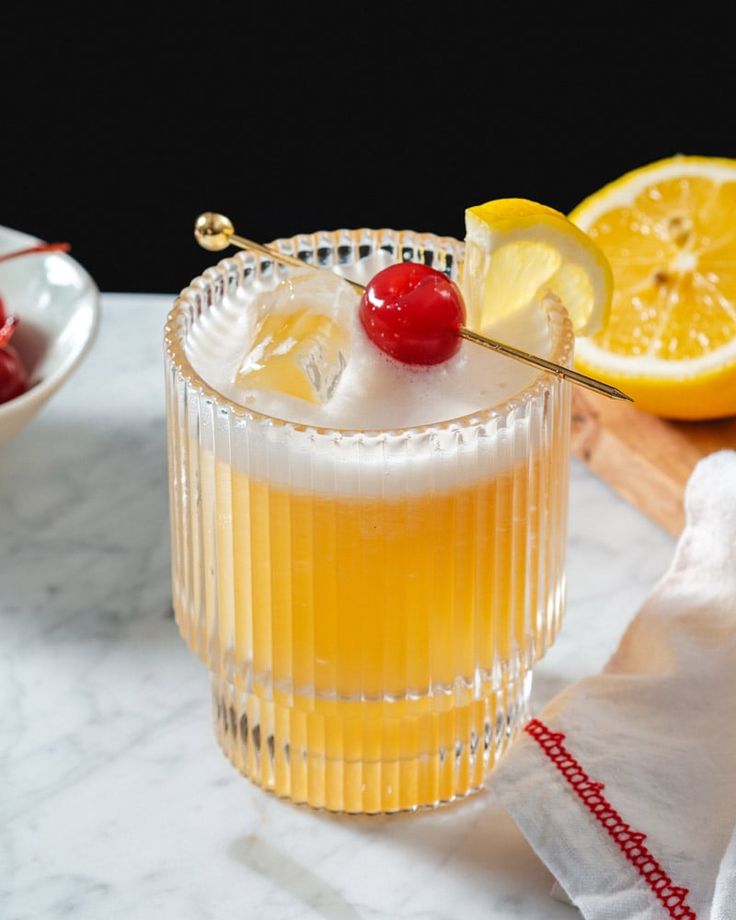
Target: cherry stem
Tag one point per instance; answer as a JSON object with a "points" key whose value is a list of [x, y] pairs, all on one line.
{"points": [[39, 247], [7, 329]]}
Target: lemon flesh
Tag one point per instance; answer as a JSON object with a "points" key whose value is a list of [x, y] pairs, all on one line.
{"points": [[669, 233], [517, 250]]}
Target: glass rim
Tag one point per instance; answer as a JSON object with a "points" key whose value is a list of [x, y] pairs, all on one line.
{"points": [[174, 344]]}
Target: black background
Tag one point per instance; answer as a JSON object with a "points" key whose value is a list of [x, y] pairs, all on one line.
{"points": [[122, 122]]}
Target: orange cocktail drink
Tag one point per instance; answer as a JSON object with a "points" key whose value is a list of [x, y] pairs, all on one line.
{"points": [[370, 602]]}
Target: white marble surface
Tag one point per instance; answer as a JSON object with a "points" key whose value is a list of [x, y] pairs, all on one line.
{"points": [[115, 800]]}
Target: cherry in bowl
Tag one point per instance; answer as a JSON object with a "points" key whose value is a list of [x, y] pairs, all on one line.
{"points": [[13, 376], [57, 303]]}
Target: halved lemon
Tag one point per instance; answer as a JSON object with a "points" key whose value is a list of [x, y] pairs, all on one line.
{"points": [[516, 250], [669, 232]]}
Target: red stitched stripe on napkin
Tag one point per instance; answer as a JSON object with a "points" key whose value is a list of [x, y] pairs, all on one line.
{"points": [[628, 840]]}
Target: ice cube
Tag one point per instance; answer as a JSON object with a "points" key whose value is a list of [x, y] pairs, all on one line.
{"points": [[301, 343]]}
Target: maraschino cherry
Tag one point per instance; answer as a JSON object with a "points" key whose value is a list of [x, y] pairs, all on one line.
{"points": [[13, 376], [410, 311], [413, 313]]}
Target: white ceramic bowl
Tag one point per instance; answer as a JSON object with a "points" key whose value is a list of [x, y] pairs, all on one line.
{"points": [[59, 310]]}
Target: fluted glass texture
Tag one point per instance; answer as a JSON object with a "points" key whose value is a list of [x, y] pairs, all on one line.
{"points": [[370, 604]]}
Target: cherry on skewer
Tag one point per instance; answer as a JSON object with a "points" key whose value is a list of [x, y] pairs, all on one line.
{"points": [[417, 315], [418, 306], [413, 313]]}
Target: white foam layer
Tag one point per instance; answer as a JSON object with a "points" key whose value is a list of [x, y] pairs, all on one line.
{"points": [[374, 394], [391, 465]]}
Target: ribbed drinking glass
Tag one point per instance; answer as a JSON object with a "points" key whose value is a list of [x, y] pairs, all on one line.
{"points": [[370, 604]]}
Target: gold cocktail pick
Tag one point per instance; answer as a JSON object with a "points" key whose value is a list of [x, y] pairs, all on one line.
{"points": [[216, 232]]}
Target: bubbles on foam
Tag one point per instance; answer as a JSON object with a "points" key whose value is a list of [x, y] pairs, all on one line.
{"points": [[375, 394], [374, 391]]}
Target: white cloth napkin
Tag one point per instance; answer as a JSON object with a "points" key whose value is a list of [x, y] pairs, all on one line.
{"points": [[658, 729]]}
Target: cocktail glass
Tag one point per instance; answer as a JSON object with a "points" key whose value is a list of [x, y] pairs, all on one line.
{"points": [[370, 604]]}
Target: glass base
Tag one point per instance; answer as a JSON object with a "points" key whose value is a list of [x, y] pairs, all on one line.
{"points": [[368, 757]]}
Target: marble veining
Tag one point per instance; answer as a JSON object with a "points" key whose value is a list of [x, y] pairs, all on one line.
{"points": [[115, 800]]}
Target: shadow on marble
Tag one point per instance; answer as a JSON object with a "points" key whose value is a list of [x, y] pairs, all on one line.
{"points": [[475, 825], [472, 842], [271, 862]]}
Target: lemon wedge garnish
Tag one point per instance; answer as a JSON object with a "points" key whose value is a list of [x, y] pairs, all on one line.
{"points": [[516, 250], [669, 232]]}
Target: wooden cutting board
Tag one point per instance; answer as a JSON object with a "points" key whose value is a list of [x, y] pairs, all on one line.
{"points": [[645, 459]]}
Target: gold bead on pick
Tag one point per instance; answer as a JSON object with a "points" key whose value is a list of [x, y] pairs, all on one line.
{"points": [[213, 231]]}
